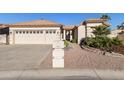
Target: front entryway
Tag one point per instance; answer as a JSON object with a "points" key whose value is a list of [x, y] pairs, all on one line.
{"points": [[70, 33]]}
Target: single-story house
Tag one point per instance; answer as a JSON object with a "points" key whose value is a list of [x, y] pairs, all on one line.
{"points": [[38, 32], [34, 32], [46, 32], [115, 33], [121, 36], [4, 34]]}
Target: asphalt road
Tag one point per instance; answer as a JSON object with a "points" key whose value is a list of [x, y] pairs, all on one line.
{"points": [[62, 74]]}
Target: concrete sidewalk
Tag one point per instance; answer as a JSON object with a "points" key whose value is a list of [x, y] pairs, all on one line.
{"points": [[62, 74]]}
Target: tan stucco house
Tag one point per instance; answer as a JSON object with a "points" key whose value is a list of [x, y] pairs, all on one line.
{"points": [[37, 32], [47, 32]]}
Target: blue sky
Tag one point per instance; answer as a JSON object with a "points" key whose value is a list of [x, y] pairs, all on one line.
{"points": [[64, 18]]}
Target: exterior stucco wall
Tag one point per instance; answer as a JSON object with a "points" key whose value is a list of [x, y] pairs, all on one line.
{"points": [[81, 33], [89, 32], [38, 38], [93, 24], [11, 32]]}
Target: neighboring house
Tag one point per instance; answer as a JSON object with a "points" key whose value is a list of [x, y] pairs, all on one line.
{"points": [[121, 36], [86, 28], [4, 34], [114, 33]]}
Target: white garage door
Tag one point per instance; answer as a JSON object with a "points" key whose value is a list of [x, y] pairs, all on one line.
{"points": [[35, 36]]}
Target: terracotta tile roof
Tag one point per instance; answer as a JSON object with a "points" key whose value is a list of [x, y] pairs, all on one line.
{"points": [[69, 27], [36, 23], [98, 20], [2, 26], [103, 21], [107, 24]]}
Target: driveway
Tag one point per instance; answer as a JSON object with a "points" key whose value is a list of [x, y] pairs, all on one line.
{"points": [[23, 57], [76, 58]]}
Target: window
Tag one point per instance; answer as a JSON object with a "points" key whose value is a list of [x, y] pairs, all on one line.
{"points": [[30, 32], [47, 31], [20, 32], [37, 32], [41, 32], [50, 31], [16, 32], [54, 31], [10, 32], [27, 32], [23, 32], [34, 32]]}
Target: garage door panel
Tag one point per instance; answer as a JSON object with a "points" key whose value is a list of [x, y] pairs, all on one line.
{"points": [[35, 38]]}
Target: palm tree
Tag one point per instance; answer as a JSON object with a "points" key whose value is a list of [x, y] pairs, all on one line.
{"points": [[101, 30], [121, 27], [105, 16]]}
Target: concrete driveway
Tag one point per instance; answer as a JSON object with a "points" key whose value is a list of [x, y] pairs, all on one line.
{"points": [[22, 57]]}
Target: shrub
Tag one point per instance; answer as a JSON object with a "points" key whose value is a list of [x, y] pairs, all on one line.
{"points": [[66, 43], [101, 40], [98, 42], [116, 41]]}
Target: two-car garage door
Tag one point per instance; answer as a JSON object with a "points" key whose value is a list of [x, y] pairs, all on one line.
{"points": [[35, 36]]}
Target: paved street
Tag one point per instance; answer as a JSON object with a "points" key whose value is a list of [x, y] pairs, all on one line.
{"points": [[22, 57], [62, 74]]}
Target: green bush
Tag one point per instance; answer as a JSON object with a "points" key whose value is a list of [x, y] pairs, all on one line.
{"points": [[98, 42], [116, 41], [66, 43], [101, 40]]}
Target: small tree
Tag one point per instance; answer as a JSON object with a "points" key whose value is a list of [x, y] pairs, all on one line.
{"points": [[121, 26], [105, 16]]}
